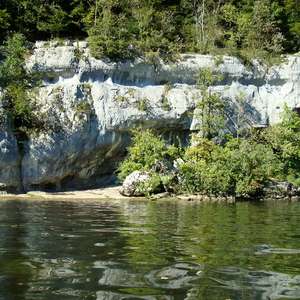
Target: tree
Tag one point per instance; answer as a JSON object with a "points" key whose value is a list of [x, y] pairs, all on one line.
{"points": [[210, 108], [292, 19], [110, 34], [16, 82], [263, 32], [4, 22], [54, 20], [285, 139], [145, 150], [79, 11], [237, 116]]}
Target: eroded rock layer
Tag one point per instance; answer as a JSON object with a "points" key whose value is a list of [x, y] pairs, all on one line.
{"points": [[89, 106]]}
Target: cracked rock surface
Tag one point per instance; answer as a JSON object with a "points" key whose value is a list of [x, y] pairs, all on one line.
{"points": [[90, 105]]}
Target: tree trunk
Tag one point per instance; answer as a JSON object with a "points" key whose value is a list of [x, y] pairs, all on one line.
{"points": [[96, 12], [202, 21]]}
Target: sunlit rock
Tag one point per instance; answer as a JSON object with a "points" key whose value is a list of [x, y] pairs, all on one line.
{"points": [[90, 105]]}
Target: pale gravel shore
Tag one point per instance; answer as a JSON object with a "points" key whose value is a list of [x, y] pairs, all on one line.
{"points": [[112, 194], [107, 193], [102, 194]]}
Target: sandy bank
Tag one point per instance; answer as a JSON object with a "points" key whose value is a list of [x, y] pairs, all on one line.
{"points": [[112, 194], [106, 193], [101, 193]]}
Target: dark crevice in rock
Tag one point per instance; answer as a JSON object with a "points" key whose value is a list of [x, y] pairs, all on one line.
{"points": [[22, 139]]}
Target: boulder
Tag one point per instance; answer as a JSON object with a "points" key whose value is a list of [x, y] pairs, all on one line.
{"points": [[281, 189], [139, 183], [164, 166]]}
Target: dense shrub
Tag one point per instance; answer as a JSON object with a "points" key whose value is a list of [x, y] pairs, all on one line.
{"points": [[204, 169], [251, 165], [17, 83], [146, 149], [284, 138], [122, 29], [240, 167]]}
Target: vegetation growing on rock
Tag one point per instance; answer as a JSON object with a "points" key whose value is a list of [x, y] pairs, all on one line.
{"points": [[123, 29], [239, 166], [17, 84]]}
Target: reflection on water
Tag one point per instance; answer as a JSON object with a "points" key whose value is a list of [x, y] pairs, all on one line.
{"points": [[147, 250]]}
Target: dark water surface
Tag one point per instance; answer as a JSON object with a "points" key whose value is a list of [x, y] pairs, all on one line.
{"points": [[147, 250]]}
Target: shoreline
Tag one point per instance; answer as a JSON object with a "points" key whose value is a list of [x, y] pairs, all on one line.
{"points": [[111, 193], [105, 193]]}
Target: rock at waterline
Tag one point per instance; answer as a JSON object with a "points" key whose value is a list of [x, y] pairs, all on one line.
{"points": [[138, 184]]}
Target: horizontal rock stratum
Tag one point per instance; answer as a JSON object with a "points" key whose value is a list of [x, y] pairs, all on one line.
{"points": [[90, 105]]}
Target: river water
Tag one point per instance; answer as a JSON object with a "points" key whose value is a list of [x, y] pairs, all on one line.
{"points": [[149, 250]]}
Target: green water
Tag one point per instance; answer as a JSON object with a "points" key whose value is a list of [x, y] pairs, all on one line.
{"points": [[133, 250]]}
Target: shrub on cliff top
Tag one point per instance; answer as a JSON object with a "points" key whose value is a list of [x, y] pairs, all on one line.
{"points": [[17, 83]]}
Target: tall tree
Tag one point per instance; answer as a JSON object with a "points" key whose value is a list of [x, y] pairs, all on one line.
{"points": [[52, 19]]}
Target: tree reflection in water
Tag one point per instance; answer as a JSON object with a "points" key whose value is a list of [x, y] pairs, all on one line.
{"points": [[149, 250]]}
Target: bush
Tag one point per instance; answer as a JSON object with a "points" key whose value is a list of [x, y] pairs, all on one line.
{"points": [[204, 169], [146, 149], [150, 186], [284, 139], [240, 167], [17, 83], [251, 165]]}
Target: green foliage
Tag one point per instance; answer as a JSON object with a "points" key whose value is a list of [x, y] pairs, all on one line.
{"points": [[251, 164], [121, 98], [4, 21], [146, 149], [210, 107], [204, 169], [240, 167], [78, 53], [109, 36], [17, 83], [124, 29], [84, 107], [12, 68], [205, 78], [56, 19], [285, 140], [165, 105], [143, 104], [150, 186]]}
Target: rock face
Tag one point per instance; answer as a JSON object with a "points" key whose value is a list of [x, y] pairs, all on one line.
{"points": [[9, 163], [283, 189], [90, 105], [10, 177]]}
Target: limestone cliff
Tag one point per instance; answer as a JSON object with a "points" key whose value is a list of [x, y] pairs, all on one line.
{"points": [[89, 106]]}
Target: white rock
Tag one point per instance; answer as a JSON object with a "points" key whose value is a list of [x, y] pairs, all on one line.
{"points": [[132, 182], [93, 103]]}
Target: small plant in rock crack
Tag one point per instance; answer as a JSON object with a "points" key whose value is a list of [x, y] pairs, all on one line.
{"points": [[165, 105], [83, 107], [131, 92], [143, 104], [167, 88], [78, 53]]}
